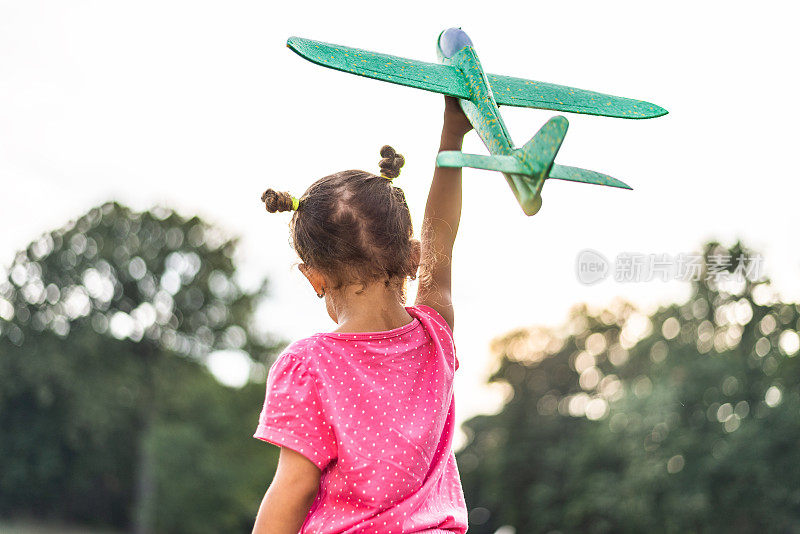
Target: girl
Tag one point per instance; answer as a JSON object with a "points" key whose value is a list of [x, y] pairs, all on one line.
{"points": [[364, 414]]}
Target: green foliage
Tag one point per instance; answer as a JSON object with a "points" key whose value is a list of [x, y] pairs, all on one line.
{"points": [[209, 471], [108, 414], [69, 425], [684, 420]]}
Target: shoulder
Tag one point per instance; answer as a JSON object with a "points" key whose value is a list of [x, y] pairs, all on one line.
{"points": [[439, 329], [306, 348], [425, 312], [300, 356]]}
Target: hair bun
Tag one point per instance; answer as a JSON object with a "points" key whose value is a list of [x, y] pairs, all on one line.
{"points": [[276, 201], [391, 162]]}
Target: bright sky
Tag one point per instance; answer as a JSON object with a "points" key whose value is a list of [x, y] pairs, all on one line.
{"points": [[200, 106]]}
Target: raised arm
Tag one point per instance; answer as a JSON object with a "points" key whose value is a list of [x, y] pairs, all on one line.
{"points": [[442, 215]]}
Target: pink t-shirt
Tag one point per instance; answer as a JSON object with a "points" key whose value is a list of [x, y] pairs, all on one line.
{"points": [[374, 411]]}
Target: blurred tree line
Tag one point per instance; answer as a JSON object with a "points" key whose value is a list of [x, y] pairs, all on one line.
{"points": [[108, 413], [684, 420]]}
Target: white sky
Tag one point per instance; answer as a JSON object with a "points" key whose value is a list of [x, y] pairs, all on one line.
{"points": [[199, 106]]}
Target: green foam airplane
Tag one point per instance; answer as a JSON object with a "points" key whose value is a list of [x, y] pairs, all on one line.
{"points": [[460, 75]]}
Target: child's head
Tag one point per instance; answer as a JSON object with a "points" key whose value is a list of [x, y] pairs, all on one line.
{"points": [[353, 227]]}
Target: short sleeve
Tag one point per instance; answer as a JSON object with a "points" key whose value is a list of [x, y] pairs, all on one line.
{"points": [[293, 415], [441, 325]]}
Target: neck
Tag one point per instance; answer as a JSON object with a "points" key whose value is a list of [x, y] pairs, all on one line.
{"points": [[374, 307]]}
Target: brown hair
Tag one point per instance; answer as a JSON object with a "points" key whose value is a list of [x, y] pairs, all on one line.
{"points": [[353, 226]]}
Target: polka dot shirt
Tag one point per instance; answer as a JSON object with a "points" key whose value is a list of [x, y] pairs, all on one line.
{"points": [[374, 411]]}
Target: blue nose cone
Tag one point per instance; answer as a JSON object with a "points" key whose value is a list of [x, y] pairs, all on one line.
{"points": [[452, 40]]}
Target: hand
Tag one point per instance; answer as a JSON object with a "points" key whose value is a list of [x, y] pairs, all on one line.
{"points": [[456, 123]]}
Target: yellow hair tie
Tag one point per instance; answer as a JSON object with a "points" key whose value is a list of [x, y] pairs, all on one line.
{"points": [[384, 176], [295, 203]]}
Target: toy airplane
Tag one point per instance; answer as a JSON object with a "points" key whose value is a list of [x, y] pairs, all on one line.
{"points": [[460, 75]]}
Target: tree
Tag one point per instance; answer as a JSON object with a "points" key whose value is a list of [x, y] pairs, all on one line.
{"points": [[684, 420], [104, 328]]}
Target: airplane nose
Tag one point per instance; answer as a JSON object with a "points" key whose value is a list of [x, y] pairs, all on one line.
{"points": [[452, 40]]}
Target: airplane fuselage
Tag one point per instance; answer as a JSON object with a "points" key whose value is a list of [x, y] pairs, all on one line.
{"points": [[455, 48]]}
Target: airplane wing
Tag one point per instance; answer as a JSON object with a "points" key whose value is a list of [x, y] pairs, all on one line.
{"points": [[523, 93], [574, 174], [429, 76]]}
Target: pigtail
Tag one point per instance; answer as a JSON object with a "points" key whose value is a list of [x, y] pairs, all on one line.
{"points": [[277, 201], [391, 162]]}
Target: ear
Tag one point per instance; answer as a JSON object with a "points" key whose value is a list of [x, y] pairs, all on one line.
{"points": [[314, 278]]}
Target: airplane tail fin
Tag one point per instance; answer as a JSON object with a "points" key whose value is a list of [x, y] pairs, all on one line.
{"points": [[504, 164], [539, 153], [517, 174], [574, 174], [511, 165], [535, 157], [527, 167]]}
